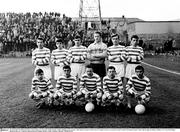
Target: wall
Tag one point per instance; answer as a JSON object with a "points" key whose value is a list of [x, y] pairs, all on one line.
{"points": [[156, 32]]}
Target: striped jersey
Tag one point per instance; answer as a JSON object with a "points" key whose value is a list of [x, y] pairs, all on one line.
{"points": [[67, 84], [59, 57], [77, 54], [116, 53], [41, 85], [139, 84], [95, 48], [112, 85], [91, 83], [41, 57], [134, 54]]}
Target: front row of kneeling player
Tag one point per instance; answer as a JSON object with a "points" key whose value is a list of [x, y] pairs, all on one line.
{"points": [[90, 89]]}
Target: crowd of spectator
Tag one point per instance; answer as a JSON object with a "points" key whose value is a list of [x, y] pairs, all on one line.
{"points": [[18, 31], [168, 47]]}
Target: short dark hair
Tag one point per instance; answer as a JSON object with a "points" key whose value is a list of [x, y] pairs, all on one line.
{"points": [[134, 36], [59, 40], [40, 38], [66, 67], [139, 67], [89, 66], [98, 32], [77, 36], [111, 67], [114, 35], [39, 71]]}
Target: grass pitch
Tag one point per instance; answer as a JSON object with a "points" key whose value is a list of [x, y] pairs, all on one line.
{"points": [[18, 111]]}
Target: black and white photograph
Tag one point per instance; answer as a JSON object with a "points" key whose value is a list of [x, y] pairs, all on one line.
{"points": [[89, 65]]}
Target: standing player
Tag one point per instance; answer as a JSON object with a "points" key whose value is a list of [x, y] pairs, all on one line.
{"points": [[116, 56], [97, 52], [66, 87], [41, 58], [77, 56], [41, 88], [139, 87], [134, 56], [90, 86], [59, 59], [112, 88]]}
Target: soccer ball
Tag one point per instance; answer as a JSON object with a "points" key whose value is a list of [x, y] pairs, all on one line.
{"points": [[89, 107], [140, 109]]}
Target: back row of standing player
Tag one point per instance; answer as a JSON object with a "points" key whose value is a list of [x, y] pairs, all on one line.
{"points": [[96, 53]]}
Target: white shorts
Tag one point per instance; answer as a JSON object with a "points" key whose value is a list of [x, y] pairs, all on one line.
{"points": [[58, 71], [119, 68], [77, 70], [130, 70], [46, 70]]}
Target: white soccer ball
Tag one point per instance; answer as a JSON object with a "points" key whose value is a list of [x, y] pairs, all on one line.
{"points": [[140, 109], [89, 107]]}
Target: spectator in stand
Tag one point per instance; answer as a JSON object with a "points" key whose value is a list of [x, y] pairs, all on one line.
{"points": [[30, 26]]}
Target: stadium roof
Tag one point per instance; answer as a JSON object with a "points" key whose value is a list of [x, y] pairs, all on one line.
{"points": [[112, 19], [152, 22]]}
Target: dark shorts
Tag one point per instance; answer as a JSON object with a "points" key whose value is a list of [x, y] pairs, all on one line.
{"points": [[99, 69]]}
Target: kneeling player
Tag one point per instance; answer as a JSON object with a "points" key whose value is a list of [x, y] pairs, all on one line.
{"points": [[42, 89], [90, 86], [112, 88], [66, 88], [138, 87]]}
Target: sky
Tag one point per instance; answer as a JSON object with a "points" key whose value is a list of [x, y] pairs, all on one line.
{"points": [[148, 10]]}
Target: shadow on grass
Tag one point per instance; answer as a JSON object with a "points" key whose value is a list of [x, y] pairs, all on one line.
{"points": [[152, 110]]}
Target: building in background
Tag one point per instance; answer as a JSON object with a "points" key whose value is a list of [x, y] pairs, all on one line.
{"points": [[156, 33]]}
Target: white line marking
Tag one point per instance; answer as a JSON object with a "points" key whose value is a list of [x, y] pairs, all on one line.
{"points": [[4, 63], [173, 72]]}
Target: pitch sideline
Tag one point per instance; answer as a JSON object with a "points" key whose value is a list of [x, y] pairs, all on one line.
{"points": [[4, 64], [173, 72]]}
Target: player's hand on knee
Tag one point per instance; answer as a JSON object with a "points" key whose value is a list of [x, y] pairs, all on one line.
{"points": [[104, 97], [44, 94], [79, 94], [74, 96], [93, 95], [84, 91], [31, 95], [99, 95], [64, 95], [110, 96], [143, 96], [55, 96], [121, 96], [130, 93], [87, 95], [69, 95], [115, 95]]}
